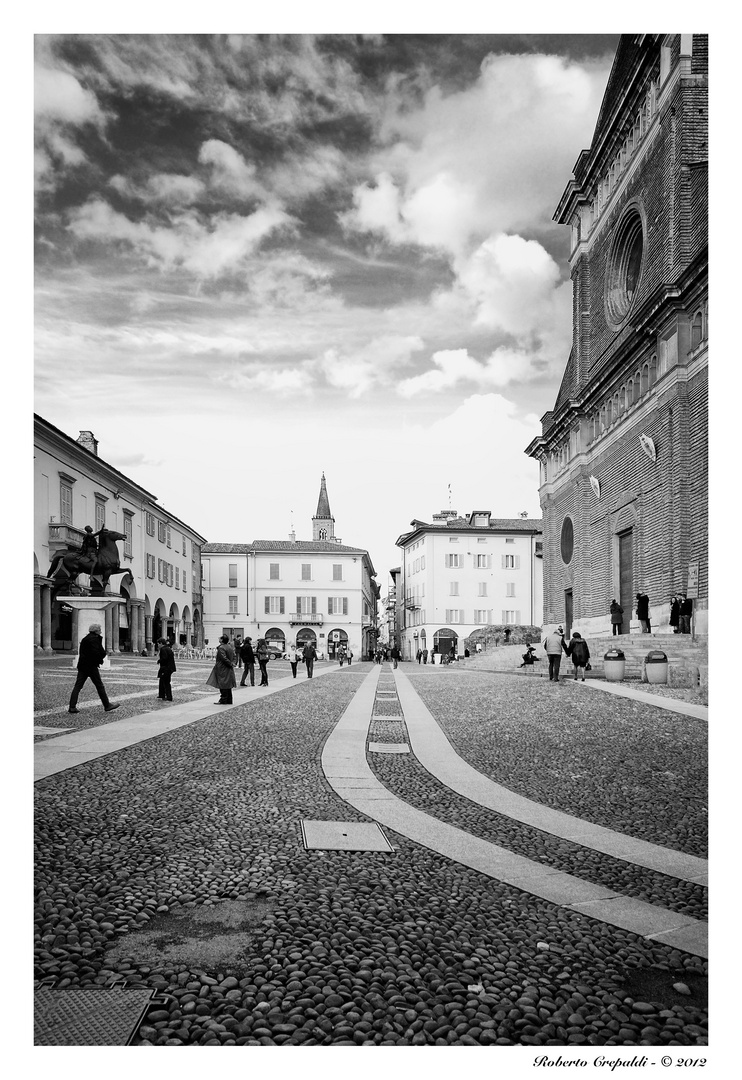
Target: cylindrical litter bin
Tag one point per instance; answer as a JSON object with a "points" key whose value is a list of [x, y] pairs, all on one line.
{"points": [[656, 667], [614, 665]]}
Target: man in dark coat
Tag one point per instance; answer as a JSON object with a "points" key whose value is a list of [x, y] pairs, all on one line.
{"points": [[616, 617], [686, 611], [309, 655], [92, 655], [675, 615], [222, 673], [642, 612], [247, 656], [166, 660]]}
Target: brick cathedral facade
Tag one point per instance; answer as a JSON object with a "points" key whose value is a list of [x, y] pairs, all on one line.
{"points": [[624, 452]]}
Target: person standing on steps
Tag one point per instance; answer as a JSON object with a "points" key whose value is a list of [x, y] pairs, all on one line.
{"points": [[166, 661], [642, 612], [222, 673], [92, 655], [675, 615], [248, 659], [686, 611], [616, 617], [554, 643]]}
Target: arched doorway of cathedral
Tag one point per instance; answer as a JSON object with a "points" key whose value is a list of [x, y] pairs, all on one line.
{"points": [[445, 642], [275, 640], [625, 534], [306, 636], [335, 639]]}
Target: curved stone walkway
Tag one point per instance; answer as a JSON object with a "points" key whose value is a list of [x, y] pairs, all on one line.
{"points": [[347, 770]]}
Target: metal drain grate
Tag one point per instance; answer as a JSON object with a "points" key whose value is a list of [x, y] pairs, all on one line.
{"points": [[95, 1017], [389, 748]]}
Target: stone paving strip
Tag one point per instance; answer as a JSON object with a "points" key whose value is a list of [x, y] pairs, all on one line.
{"points": [[55, 755], [435, 753], [686, 708], [346, 768]]}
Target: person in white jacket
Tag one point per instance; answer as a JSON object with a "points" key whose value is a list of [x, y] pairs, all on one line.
{"points": [[554, 643]]}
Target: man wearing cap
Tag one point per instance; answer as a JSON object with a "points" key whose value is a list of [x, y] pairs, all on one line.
{"points": [[554, 643], [92, 655]]}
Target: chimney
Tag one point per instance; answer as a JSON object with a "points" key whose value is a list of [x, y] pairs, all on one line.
{"points": [[89, 441], [292, 537]]}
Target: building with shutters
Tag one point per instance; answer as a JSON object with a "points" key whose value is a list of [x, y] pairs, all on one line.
{"points": [[75, 487], [293, 591], [459, 574], [623, 454]]}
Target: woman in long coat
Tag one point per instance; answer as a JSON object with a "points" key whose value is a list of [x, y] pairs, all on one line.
{"points": [[675, 615], [616, 617], [222, 673]]}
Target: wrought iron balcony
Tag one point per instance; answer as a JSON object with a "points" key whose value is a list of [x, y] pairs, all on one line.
{"points": [[314, 618]]}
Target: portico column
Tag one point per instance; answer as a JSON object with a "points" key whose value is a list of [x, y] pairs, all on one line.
{"points": [[134, 627], [36, 615], [108, 629], [46, 618], [114, 629], [142, 635], [75, 630], [148, 633]]}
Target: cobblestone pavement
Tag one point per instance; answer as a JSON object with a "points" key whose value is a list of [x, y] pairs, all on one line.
{"points": [[178, 865]]}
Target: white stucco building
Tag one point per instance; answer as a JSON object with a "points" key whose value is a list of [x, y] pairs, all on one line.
{"points": [[293, 591], [459, 574], [75, 487]]}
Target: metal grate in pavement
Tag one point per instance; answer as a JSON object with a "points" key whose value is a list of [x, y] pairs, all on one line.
{"points": [[95, 1017], [343, 836], [389, 748]]}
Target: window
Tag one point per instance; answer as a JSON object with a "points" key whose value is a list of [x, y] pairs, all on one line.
{"points": [[184, 546], [337, 571], [483, 616], [306, 605], [453, 615], [128, 535], [511, 562], [624, 268], [322, 534], [337, 605], [567, 541], [306, 571], [65, 502], [100, 513], [159, 570], [233, 575], [169, 573], [511, 617], [233, 605], [509, 540], [422, 562], [177, 577], [275, 605], [161, 531], [151, 567], [510, 588], [169, 542], [453, 539], [274, 571], [481, 539], [483, 561], [453, 561], [453, 588]]}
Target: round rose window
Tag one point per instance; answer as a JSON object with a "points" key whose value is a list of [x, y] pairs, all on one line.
{"points": [[567, 541], [624, 268]]}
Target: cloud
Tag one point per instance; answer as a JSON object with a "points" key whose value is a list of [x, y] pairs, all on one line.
{"points": [[230, 171], [295, 381], [205, 249], [59, 97], [171, 189], [454, 366], [374, 364]]}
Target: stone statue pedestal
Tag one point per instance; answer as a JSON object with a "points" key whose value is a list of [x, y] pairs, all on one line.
{"points": [[92, 609]]}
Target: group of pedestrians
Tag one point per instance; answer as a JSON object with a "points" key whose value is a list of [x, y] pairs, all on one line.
{"points": [[344, 653], [222, 675], [555, 644], [681, 611]]}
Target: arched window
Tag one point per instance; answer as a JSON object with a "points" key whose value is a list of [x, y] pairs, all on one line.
{"points": [[653, 371], [645, 378], [629, 393], [622, 400], [609, 413]]}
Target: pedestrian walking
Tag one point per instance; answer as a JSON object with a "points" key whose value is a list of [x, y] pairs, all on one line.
{"points": [[341, 656], [395, 655], [247, 655], [419, 656], [92, 655], [166, 661], [349, 655], [642, 612], [294, 659], [237, 645], [579, 652], [686, 611], [222, 674], [616, 617], [425, 656], [263, 656], [309, 655], [675, 615], [554, 644]]}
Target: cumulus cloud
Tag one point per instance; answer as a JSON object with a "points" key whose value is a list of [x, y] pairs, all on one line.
{"points": [[454, 366], [374, 364], [170, 189], [230, 170], [206, 249], [61, 105], [294, 381]]}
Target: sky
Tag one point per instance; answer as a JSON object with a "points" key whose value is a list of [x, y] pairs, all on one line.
{"points": [[264, 257]]}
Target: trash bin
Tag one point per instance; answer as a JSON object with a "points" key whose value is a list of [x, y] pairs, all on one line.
{"points": [[614, 665], [656, 667]]}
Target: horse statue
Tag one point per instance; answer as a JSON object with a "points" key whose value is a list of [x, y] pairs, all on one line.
{"points": [[99, 561]]}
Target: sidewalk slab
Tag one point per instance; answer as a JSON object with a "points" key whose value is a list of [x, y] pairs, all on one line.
{"points": [[685, 708]]}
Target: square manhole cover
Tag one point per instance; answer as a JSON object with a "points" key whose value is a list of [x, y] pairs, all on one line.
{"points": [[388, 748], [96, 1017], [343, 836]]}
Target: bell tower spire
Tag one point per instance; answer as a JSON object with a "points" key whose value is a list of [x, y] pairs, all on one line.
{"points": [[323, 523]]}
